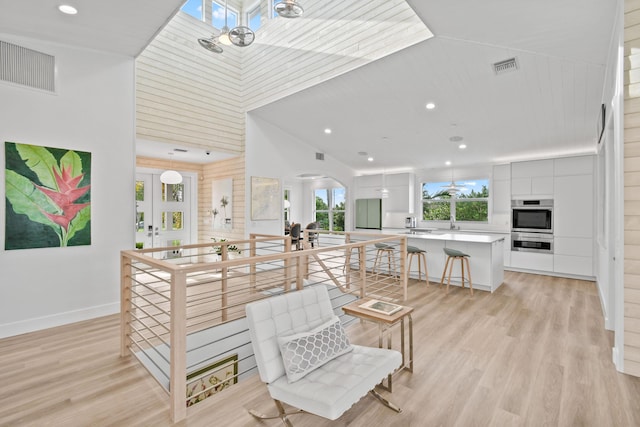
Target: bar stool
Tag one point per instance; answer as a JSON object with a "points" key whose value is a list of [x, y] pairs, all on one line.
{"points": [[464, 258], [420, 253], [382, 250]]}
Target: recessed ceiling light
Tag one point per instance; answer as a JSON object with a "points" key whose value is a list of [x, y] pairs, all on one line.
{"points": [[462, 146], [68, 9], [370, 159], [448, 163], [430, 106], [327, 131]]}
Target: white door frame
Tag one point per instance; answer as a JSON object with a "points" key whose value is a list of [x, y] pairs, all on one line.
{"points": [[193, 193]]}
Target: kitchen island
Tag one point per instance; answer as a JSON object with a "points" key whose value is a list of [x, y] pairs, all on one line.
{"points": [[486, 255]]}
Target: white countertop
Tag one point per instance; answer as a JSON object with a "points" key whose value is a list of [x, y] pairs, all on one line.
{"points": [[457, 236]]}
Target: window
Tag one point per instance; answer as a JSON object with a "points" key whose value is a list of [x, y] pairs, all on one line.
{"points": [[273, 9], [193, 8], [469, 204], [329, 210], [253, 17], [217, 16]]}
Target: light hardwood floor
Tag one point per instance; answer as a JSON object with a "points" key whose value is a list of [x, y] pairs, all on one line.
{"points": [[534, 353]]}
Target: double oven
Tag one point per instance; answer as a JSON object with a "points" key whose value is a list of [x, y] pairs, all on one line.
{"points": [[532, 225]]}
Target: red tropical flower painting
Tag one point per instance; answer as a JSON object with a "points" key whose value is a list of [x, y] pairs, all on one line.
{"points": [[48, 194]]}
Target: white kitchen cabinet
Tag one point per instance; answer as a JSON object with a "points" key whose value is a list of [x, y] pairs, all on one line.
{"points": [[531, 261], [501, 189], [581, 165], [532, 179], [573, 256], [573, 206], [401, 188], [401, 193]]}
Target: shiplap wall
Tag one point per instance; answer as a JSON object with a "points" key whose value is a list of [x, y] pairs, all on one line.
{"points": [[187, 95], [632, 188], [231, 168]]}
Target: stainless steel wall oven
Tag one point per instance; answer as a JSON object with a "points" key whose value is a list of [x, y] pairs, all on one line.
{"points": [[532, 242], [532, 216]]}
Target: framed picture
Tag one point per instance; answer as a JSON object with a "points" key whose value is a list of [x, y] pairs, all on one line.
{"points": [[382, 307], [211, 379], [266, 199], [601, 119], [48, 197]]}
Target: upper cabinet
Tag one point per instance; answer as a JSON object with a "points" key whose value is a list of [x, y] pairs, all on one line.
{"points": [[501, 189], [573, 201], [401, 189], [532, 179]]}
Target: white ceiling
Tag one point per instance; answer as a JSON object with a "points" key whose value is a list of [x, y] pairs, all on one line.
{"points": [[118, 26], [548, 107]]}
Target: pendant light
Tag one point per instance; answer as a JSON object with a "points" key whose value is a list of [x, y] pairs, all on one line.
{"points": [[170, 176], [224, 34], [384, 191], [453, 188]]}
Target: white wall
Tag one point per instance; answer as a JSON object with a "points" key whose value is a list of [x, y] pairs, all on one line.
{"points": [[607, 202], [92, 111], [273, 153]]}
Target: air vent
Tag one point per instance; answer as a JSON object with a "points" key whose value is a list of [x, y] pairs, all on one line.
{"points": [[319, 156], [180, 150], [27, 67], [505, 66]]}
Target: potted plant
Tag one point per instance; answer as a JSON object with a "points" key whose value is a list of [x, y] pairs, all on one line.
{"points": [[231, 249]]}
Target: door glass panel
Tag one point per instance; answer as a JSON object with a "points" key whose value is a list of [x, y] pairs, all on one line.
{"points": [[139, 221], [140, 191], [172, 192], [172, 221]]}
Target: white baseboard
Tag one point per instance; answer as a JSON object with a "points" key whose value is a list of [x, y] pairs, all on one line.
{"points": [[39, 323]]}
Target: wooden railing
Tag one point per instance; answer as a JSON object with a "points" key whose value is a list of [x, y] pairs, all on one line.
{"points": [[173, 295]]}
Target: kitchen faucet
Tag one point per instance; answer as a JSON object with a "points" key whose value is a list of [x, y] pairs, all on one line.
{"points": [[452, 225]]}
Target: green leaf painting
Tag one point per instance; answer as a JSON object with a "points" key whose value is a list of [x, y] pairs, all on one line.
{"points": [[48, 197]]}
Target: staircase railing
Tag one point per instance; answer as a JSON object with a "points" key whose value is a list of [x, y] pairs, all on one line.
{"points": [[182, 308]]}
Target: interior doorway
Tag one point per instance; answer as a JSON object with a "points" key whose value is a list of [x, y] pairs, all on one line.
{"points": [[164, 213]]}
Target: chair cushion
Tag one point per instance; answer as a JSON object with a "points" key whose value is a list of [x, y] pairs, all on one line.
{"points": [[338, 384], [413, 249], [307, 351], [453, 252], [287, 314]]}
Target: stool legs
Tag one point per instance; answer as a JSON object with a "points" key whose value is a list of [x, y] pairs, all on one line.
{"points": [[463, 261], [391, 261], [421, 256]]}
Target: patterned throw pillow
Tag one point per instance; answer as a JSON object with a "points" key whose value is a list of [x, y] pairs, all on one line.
{"points": [[304, 352]]}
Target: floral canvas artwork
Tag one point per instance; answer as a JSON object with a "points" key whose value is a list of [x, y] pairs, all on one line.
{"points": [[47, 196]]}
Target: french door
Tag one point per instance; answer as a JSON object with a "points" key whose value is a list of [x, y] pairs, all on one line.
{"points": [[163, 213]]}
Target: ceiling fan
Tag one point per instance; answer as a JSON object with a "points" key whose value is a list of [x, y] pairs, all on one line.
{"points": [[211, 44]]}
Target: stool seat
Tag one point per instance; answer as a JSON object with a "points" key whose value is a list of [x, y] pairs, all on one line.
{"points": [[381, 250], [454, 254], [414, 250], [383, 246]]}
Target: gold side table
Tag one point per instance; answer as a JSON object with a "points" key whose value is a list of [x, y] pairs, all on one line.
{"points": [[385, 322]]}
